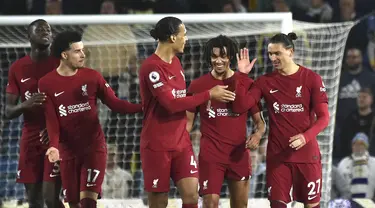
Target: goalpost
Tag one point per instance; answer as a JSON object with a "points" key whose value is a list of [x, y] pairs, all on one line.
{"points": [[117, 44]]}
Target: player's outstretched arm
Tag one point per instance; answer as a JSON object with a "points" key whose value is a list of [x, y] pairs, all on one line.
{"points": [[174, 105], [108, 97], [245, 99], [190, 120], [174, 102]]}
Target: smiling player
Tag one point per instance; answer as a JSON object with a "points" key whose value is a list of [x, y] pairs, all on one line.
{"points": [[223, 152], [294, 96]]}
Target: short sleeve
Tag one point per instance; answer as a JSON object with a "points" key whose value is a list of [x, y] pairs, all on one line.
{"points": [[12, 86], [318, 91]]}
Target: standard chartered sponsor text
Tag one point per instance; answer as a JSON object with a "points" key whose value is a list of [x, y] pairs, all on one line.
{"points": [[79, 107], [292, 108]]}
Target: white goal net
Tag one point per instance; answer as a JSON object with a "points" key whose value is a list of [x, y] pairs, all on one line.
{"points": [[117, 50]]}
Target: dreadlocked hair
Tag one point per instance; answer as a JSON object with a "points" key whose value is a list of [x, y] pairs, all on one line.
{"points": [[221, 42]]}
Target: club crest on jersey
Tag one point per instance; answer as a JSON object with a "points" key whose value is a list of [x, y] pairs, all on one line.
{"points": [[84, 90], [299, 91]]}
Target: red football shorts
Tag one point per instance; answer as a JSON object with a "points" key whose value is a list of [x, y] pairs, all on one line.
{"points": [[159, 166], [212, 174], [35, 168], [300, 182], [82, 174]]}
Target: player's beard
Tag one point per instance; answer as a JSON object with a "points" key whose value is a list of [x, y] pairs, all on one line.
{"points": [[42, 47]]}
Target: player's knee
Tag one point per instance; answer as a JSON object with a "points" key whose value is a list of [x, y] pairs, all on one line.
{"points": [[211, 201], [239, 203], [190, 197], [157, 200], [278, 204], [88, 194], [314, 205]]}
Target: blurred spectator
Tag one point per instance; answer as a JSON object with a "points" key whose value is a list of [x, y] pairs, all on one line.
{"points": [[358, 169], [319, 11], [53, 7], [340, 186], [359, 120], [347, 12], [370, 51], [139, 6], [117, 182], [81, 6], [354, 76], [171, 6], [238, 6], [281, 5]]}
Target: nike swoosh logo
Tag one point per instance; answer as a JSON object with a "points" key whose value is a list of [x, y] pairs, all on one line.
{"points": [[90, 185], [273, 91], [311, 197], [171, 77], [53, 175], [57, 94], [193, 171], [24, 80]]}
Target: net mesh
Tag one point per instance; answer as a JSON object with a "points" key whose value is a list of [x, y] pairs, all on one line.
{"points": [[117, 52]]}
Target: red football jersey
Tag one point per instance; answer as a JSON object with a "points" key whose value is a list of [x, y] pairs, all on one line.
{"points": [[71, 110], [23, 78], [163, 93], [290, 102], [225, 130], [218, 122]]}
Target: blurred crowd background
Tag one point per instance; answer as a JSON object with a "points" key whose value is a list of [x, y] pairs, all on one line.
{"points": [[354, 144]]}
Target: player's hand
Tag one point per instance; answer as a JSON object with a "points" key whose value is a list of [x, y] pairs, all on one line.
{"points": [[253, 141], [243, 61], [220, 93], [297, 142], [36, 99], [53, 154], [44, 136]]}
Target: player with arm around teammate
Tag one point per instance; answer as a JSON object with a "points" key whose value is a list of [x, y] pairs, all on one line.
{"points": [[298, 110], [166, 150], [76, 137], [223, 145], [40, 177]]}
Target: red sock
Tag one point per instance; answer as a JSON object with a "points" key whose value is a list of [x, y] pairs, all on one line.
{"points": [[189, 205], [277, 204], [88, 203]]}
